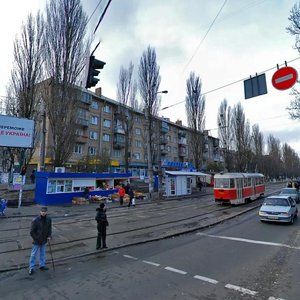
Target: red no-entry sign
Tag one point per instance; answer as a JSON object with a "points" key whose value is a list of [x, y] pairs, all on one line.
{"points": [[284, 78]]}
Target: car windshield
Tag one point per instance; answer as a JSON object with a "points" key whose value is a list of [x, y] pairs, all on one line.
{"points": [[288, 191], [276, 202]]}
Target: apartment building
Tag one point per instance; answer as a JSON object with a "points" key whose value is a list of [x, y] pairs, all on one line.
{"points": [[100, 128]]}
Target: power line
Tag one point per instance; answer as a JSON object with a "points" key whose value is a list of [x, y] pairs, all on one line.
{"points": [[102, 16], [94, 11], [229, 84], [209, 28]]}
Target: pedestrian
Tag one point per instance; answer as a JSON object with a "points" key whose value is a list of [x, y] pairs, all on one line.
{"points": [[102, 223], [121, 193], [32, 176], [86, 193], [131, 196], [127, 188], [41, 231]]}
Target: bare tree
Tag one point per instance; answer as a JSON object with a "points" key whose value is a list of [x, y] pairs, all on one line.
{"points": [[149, 81], [242, 137], [65, 50], [274, 168], [294, 30], [195, 109], [22, 93], [126, 95], [257, 148], [225, 134]]}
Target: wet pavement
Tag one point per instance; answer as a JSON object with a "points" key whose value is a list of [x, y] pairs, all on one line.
{"points": [[74, 228]]}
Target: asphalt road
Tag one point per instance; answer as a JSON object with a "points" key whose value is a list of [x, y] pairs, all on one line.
{"points": [[240, 258]]}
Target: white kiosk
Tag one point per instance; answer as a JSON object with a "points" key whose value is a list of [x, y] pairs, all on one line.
{"points": [[179, 183]]}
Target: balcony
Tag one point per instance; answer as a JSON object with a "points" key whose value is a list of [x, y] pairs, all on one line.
{"points": [[81, 139], [119, 141], [164, 128], [182, 141], [181, 152], [83, 122], [181, 134], [119, 130], [163, 150], [86, 98], [163, 140]]}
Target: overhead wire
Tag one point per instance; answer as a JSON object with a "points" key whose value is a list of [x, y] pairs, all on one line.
{"points": [[208, 30], [232, 83]]}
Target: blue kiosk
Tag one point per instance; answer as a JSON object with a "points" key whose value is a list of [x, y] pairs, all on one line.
{"points": [[61, 188]]}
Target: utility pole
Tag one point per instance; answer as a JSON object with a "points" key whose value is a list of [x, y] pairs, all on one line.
{"points": [[149, 156], [43, 145]]}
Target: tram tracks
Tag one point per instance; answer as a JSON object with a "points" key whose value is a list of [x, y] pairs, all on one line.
{"points": [[77, 238]]}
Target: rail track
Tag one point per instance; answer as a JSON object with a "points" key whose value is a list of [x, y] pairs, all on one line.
{"points": [[74, 235]]}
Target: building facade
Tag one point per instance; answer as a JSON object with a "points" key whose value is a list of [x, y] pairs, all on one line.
{"points": [[100, 127]]}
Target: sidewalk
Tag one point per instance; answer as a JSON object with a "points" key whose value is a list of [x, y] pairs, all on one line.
{"points": [[75, 231]]}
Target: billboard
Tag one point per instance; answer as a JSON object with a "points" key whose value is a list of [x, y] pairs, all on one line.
{"points": [[16, 132]]}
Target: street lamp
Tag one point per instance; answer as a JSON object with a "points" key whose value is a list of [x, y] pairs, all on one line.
{"points": [[150, 164]]}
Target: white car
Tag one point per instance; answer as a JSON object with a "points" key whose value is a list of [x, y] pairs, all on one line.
{"points": [[278, 208]]}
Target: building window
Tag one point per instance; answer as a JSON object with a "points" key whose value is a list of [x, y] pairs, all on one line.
{"points": [[107, 123], [92, 151], [79, 132], [169, 148], [138, 143], [106, 137], [78, 149], [107, 109], [174, 150], [59, 186], [94, 105], [117, 153], [137, 156], [138, 131], [94, 120], [93, 135]]}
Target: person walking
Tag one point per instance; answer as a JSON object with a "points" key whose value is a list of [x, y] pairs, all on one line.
{"points": [[41, 231], [102, 223], [121, 193], [131, 196], [32, 176]]}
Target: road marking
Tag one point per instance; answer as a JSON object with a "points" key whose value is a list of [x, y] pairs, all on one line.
{"points": [[151, 263], [206, 279], [129, 256], [176, 270], [240, 289], [248, 241]]}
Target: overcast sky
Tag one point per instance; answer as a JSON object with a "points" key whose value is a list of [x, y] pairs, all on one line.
{"points": [[248, 37]]}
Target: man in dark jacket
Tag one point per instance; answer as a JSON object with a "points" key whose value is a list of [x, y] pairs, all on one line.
{"points": [[41, 230], [102, 223]]}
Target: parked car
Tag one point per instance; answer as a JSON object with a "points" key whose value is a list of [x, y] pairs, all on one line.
{"points": [[292, 192], [278, 208]]}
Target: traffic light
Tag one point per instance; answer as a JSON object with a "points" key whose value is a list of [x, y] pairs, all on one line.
{"points": [[23, 170], [94, 65]]}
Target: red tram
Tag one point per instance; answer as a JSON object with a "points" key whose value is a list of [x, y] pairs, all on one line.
{"points": [[238, 188]]}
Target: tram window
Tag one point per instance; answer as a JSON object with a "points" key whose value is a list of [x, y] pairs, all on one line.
{"points": [[224, 183]]}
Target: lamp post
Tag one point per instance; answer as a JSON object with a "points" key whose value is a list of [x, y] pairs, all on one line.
{"points": [[159, 162], [149, 156]]}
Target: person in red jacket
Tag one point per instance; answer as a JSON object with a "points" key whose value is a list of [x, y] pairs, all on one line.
{"points": [[121, 192]]}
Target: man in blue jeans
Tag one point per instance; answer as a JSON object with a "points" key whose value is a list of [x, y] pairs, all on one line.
{"points": [[41, 230]]}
